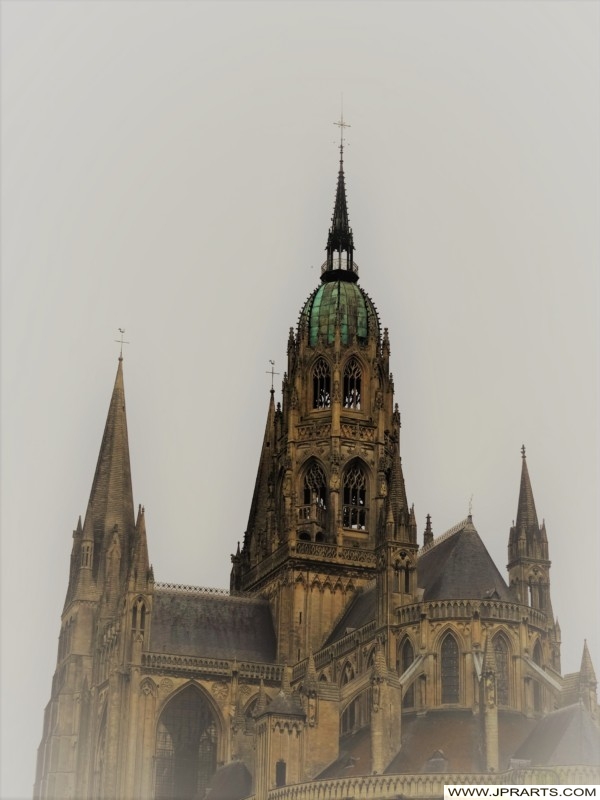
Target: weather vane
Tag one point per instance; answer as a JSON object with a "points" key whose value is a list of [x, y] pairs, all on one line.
{"points": [[272, 373], [121, 341]]}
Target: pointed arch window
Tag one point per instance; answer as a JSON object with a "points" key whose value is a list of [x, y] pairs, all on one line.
{"points": [[138, 616], [354, 509], [352, 384], [186, 747], [321, 384], [315, 487], [502, 674], [407, 656], [450, 670]]}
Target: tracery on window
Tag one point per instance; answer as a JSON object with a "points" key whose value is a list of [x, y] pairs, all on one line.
{"points": [[354, 509], [186, 747], [315, 490], [352, 384], [450, 670], [502, 677], [321, 384]]}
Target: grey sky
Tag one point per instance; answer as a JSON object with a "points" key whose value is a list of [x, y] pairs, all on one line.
{"points": [[170, 168]]}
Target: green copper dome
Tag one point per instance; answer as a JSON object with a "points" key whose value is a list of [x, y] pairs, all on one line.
{"points": [[355, 310]]}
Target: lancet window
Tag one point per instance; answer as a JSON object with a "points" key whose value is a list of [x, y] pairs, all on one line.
{"points": [[502, 676], [314, 494], [138, 615], [354, 510], [407, 656], [450, 670], [321, 384], [186, 747], [352, 384]]}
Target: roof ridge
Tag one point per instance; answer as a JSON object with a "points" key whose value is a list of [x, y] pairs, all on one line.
{"points": [[225, 594], [442, 538]]}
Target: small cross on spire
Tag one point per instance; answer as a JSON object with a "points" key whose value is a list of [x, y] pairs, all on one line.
{"points": [[121, 341], [341, 125], [272, 373]]}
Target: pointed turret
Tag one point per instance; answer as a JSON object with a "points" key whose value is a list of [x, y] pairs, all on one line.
{"points": [[111, 497], [340, 241], [528, 561], [428, 533], [586, 671], [526, 513], [139, 570]]}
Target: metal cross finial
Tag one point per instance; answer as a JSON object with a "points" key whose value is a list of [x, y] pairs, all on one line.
{"points": [[471, 505], [523, 451], [121, 341], [341, 125], [272, 373]]}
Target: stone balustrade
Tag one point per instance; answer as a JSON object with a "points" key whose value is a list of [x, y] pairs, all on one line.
{"points": [[390, 787]]}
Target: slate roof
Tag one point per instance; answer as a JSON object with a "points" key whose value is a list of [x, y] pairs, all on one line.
{"points": [[197, 623], [361, 610], [458, 567], [231, 782], [567, 736], [449, 737]]}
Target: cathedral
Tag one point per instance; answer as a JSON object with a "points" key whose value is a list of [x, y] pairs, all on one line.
{"points": [[355, 654]]}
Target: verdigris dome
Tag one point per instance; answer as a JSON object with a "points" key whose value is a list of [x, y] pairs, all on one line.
{"points": [[355, 308]]}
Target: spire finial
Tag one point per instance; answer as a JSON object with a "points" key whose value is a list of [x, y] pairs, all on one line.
{"points": [[341, 125], [471, 506], [523, 451], [272, 373], [121, 341]]}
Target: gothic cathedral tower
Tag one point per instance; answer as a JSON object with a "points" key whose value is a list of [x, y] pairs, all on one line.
{"points": [[329, 512]]}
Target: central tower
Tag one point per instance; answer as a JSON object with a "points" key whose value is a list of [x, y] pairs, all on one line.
{"points": [[329, 512]]}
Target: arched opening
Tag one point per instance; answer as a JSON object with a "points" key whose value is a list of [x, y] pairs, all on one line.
{"points": [[450, 669], [502, 669], [321, 384], [354, 509], [348, 718], [352, 384], [406, 658], [314, 495], [186, 747]]}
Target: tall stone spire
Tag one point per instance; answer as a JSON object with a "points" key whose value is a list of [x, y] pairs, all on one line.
{"points": [[526, 513], [528, 560], [258, 539], [111, 497], [340, 241]]}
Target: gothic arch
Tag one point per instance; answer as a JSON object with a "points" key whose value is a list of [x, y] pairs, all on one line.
{"points": [[404, 658], [355, 496], [347, 673], [188, 733], [502, 652], [353, 384], [449, 668], [321, 394]]}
